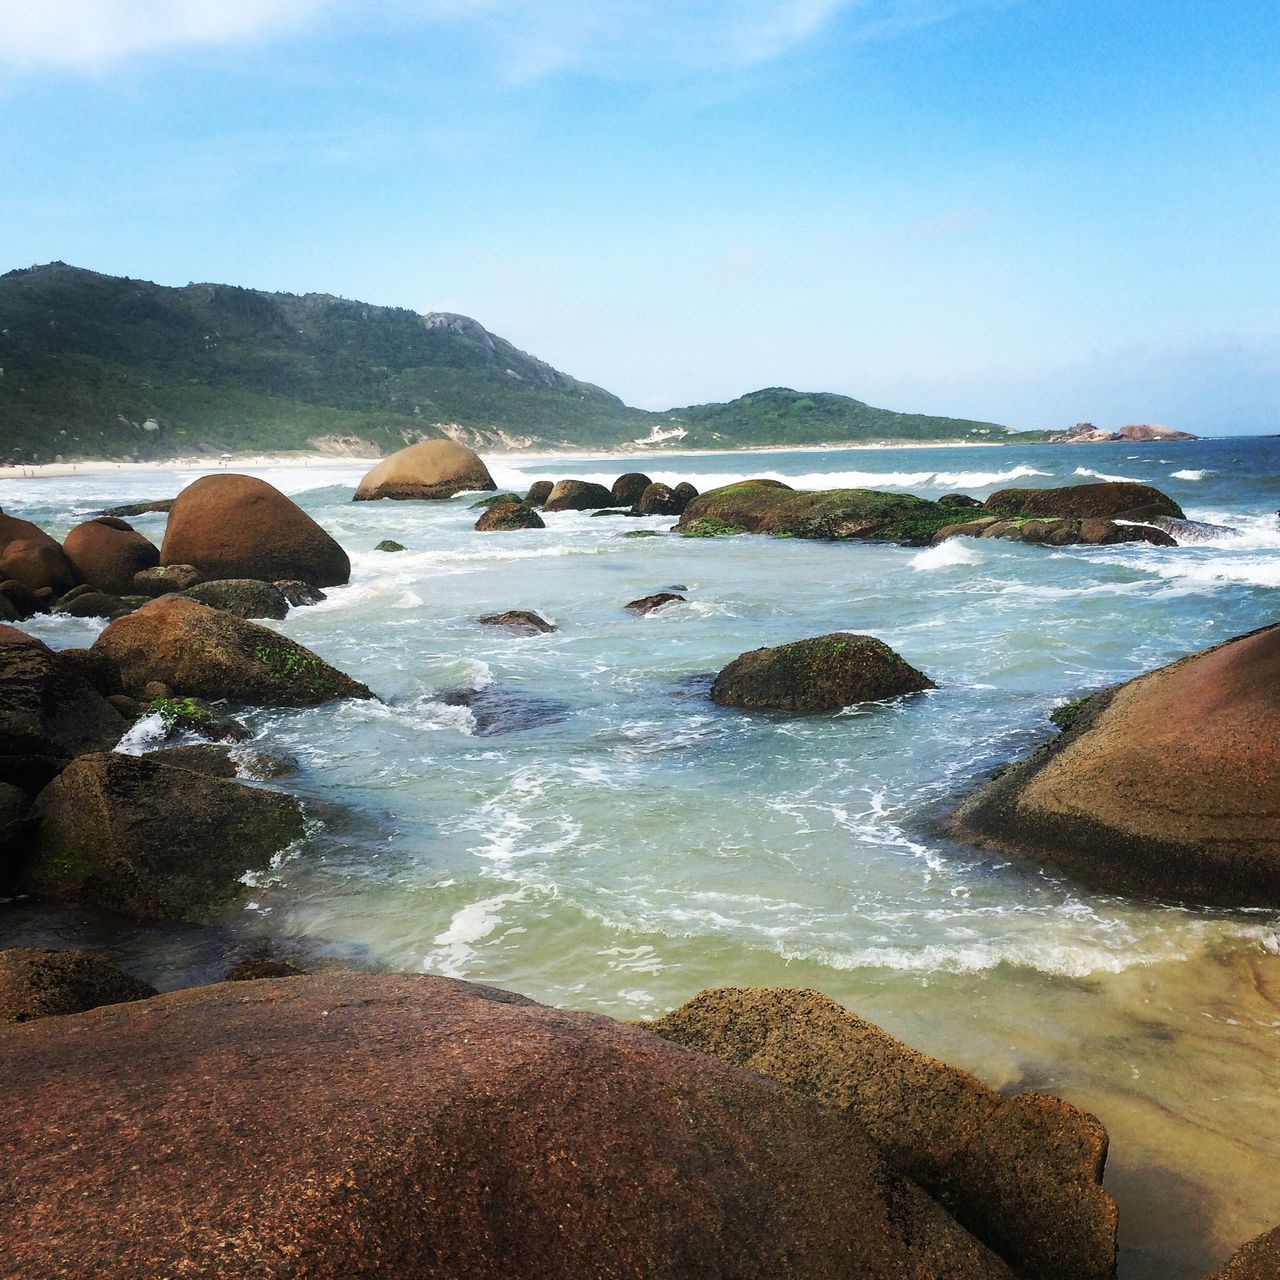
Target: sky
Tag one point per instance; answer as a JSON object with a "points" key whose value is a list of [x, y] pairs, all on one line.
{"points": [[1033, 212]]}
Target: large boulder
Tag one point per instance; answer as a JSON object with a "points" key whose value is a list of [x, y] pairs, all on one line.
{"points": [[231, 526], [1108, 500], [1257, 1260], [1023, 1174], [151, 841], [108, 552], [393, 1126], [30, 556], [205, 653], [49, 712], [242, 597], [628, 488], [1165, 784], [429, 469], [509, 516], [38, 982], [825, 673], [577, 495]]}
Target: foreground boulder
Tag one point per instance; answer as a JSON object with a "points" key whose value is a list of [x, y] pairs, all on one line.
{"points": [[231, 526], [508, 516], [1257, 1260], [1107, 500], [36, 982], [151, 841], [242, 597], [1165, 784], [108, 553], [49, 712], [201, 652], [825, 673], [627, 488], [30, 556], [429, 469], [577, 495], [395, 1126], [1023, 1174]]}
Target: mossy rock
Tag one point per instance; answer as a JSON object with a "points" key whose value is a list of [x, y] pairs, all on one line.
{"points": [[508, 517], [712, 527], [389, 544], [496, 500], [242, 597]]}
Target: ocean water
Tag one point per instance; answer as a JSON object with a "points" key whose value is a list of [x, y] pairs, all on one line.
{"points": [[569, 816]]}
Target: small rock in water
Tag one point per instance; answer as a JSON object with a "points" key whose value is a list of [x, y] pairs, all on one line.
{"points": [[389, 544], [647, 604], [524, 621], [509, 516], [299, 594]]}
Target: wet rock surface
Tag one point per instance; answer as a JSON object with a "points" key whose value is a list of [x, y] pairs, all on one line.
{"points": [[40, 982], [108, 552]]}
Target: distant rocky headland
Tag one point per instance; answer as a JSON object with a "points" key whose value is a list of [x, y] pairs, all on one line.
{"points": [[1087, 433]]}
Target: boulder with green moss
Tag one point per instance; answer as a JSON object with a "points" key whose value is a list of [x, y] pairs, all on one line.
{"points": [[508, 516], [242, 597]]}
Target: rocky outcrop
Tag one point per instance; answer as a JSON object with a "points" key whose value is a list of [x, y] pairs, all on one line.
{"points": [[539, 492], [395, 1126], [30, 556], [231, 526], [1164, 785], [1107, 500], [647, 604], [213, 759], [49, 713], [1056, 531], [1023, 1174], [522, 621], [204, 653], [428, 469], [509, 516], [107, 552], [151, 841], [241, 597], [627, 488], [37, 982], [577, 495], [1257, 1260], [825, 673], [1087, 433]]}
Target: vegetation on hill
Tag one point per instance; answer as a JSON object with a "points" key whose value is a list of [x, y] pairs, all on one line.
{"points": [[96, 366]]}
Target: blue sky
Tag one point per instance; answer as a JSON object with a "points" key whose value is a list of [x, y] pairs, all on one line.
{"points": [[1031, 211]]}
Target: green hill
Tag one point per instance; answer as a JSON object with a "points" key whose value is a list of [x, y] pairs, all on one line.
{"points": [[96, 366]]}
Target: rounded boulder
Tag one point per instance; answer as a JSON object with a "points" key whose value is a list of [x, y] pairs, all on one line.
{"points": [[577, 495], [508, 516], [426, 470], [627, 488], [108, 552]]}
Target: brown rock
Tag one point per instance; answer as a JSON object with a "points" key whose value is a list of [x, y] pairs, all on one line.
{"points": [[1023, 1174], [30, 556], [647, 604], [1166, 784], [396, 1126], [39, 983], [524, 621], [200, 652], [92, 604], [241, 597], [213, 759], [1109, 500], [429, 469], [826, 673], [509, 516], [231, 526], [539, 492], [658, 500], [108, 552], [684, 494], [49, 713], [577, 495], [166, 579], [255, 970], [628, 488], [151, 841], [22, 600], [1257, 1260]]}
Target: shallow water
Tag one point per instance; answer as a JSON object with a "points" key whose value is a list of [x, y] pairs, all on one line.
{"points": [[592, 831]]}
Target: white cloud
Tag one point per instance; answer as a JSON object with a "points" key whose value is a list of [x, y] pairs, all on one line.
{"points": [[90, 34]]}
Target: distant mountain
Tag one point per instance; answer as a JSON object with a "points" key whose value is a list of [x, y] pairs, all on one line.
{"points": [[96, 366]]}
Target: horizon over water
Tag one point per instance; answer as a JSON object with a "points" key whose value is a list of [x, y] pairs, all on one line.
{"points": [[593, 832]]}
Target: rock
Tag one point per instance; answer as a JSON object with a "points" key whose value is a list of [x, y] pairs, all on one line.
{"points": [[684, 494], [958, 500], [36, 982], [49, 713], [1257, 1260], [387, 544], [231, 526], [657, 500], [15, 828], [205, 653], [397, 1126], [151, 841], [647, 604], [825, 673], [92, 604], [508, 516], [139, 508], [166, 579], [524, 621], [128, 707], [22, 600], [612, 512], [95, 668], [1186, 531], [642, 533], [627, 488], [108, 552], [190, 715], [1152, 431], [1109, 500], [1056, 531], [577, 495], [539, 492], [429, 469], [210, 758], [497, 499], [299, 595], [241, 597], [1022, 1174], [30, 556], [255, 970], [1163, 785]]}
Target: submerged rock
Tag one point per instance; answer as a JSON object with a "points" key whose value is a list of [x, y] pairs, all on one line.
{"points": [[38, 982], [647, 604], [362, 1124], [627, 488], [299, 595], [429, 469], [577, 495], [205, 653], [1023, 1174], [825, 673], [525, 621], [1165, 784], [389, 544], [241, 597], [509, 516], [1184, 531], [232, 526], [108, 552], [151, 841]]}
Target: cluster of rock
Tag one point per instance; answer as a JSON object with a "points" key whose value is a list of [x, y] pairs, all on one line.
{"points": [[1087, 433]]}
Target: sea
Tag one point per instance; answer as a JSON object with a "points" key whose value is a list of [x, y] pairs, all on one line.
{"points": [[569, 816]]}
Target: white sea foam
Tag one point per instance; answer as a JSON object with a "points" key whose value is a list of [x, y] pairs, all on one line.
{"points": [[1190, 475], [1102, 475], [143, 735], [1222, 570], [950, 554], [470, 925]]}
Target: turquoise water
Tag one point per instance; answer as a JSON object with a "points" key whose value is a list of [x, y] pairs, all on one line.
{"points": [[592, 831]]}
